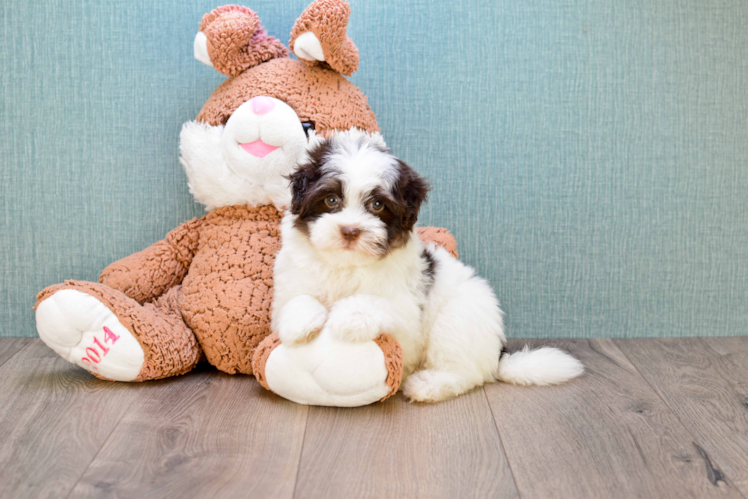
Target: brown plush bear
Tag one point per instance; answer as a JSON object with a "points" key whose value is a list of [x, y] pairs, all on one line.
{"points": [[206, 289]]}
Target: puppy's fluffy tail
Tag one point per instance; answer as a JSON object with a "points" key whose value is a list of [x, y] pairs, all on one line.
{"points": [[544, 366]]}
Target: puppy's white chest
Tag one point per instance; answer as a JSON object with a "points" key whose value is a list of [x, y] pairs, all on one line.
{"points": [[339, 285]]}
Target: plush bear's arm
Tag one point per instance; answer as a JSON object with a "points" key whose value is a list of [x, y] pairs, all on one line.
{"points": [[440, 236], [146, 275]]}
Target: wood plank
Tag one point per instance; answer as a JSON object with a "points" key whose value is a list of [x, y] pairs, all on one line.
{"points": [[203, 435], [606, 434], [396, 449], [9, 346], [54, 417], [705, 383]]}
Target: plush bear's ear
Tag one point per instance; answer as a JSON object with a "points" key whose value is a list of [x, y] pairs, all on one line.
{"points": [[319, 36], [232, 39]]}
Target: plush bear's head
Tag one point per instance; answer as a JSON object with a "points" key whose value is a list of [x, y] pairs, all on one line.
{"points": [[253, 129]]}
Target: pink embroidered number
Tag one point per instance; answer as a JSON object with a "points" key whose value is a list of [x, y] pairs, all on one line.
{"points": [[109, 335], [103, 347], [92, 354]]}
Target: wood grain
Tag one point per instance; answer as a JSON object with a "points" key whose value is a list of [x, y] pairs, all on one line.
{"points": [[205, 434], [54, 417], [606, 434], [396, 449], [705, 383], [9, 346], [680, 430]]}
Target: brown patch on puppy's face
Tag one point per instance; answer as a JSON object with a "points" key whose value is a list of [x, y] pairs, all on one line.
{"points": [[313, 189]]}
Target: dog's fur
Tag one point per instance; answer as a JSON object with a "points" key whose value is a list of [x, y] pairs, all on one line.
{"points": [[446, 319]]}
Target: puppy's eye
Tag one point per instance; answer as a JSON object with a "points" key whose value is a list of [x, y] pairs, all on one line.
{"points": [[307, 126], [376, 206], [332, 201]]}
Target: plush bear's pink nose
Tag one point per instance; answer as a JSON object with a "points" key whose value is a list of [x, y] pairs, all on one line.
{"points": [[262, 105]]}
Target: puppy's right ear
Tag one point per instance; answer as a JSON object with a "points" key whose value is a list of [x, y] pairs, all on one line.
{"points": [[232, 39]]}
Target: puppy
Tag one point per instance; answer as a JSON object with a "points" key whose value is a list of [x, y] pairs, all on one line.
{"points": [[352, 262]]}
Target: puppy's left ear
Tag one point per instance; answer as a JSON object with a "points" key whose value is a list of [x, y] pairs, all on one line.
{"points": [[412, 190], [319, 37]]}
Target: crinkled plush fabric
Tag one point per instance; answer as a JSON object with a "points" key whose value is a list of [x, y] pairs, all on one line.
{"points": [[169, 346], [236, 40], [393, 357], [146, 275], [228, 291], [328, 20], [260, 358], [220, 270], [318, 95], [441, 237]]}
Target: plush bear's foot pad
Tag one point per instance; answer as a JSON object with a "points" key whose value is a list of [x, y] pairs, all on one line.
{"points": [[86, 332], [330, 372]]}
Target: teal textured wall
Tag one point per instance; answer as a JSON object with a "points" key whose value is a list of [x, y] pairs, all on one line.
{"points": [[589, 155]]}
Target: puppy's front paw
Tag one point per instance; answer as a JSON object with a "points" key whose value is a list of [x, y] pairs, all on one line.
{"points": [[356, 319], [301, 319]]}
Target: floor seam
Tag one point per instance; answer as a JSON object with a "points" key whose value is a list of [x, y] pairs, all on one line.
{"points": [[301, 452], [667, 405], [501, 441]]}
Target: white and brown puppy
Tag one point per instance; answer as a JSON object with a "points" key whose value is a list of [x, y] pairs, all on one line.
{"points": [[351, 262]]}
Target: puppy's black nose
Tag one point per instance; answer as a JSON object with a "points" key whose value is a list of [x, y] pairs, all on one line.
{"points": [[350, 233]]}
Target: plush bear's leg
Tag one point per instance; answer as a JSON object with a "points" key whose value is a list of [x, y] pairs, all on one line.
{"points": [[330, 372], [112, 336]]}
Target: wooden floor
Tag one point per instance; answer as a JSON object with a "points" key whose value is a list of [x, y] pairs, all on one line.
{"points": [[650, 418]]}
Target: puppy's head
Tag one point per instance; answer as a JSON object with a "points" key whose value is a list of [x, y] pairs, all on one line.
{"points": [[353, 199]]}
